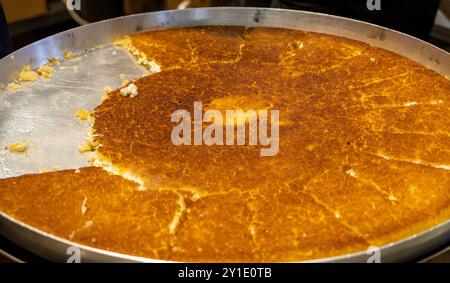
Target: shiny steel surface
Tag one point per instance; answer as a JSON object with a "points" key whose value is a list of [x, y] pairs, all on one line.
{"points": [[42, 113]]}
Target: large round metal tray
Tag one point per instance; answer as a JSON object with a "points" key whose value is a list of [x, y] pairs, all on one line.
{"points": [[43, 113]]}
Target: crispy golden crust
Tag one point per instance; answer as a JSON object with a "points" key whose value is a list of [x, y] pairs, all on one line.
{"points": [[106, 211], [363, 160], [94, 208], [190, 46]]}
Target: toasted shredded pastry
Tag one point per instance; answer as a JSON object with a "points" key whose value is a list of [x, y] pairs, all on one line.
{"points": [[364, 155]]}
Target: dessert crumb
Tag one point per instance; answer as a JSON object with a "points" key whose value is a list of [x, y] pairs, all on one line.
{"points": [[45, 71], [53, 61], [13, 86], [82, 114], [107, 90], [68, 55], [131, 90], [87, 147], [27, 74], [18, 147], [125, 82]]}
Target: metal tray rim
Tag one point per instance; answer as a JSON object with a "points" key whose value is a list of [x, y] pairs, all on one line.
{"points": [[131, 258]]}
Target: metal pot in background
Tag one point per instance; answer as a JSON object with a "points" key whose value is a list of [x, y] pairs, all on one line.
{"points": [[94, 10], [97, 10]]}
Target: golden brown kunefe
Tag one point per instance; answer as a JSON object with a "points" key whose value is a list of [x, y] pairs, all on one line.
{"points": [[364, 154]]}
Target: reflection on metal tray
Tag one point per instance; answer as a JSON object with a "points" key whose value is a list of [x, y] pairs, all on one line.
{"points": [[43, 114]]}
